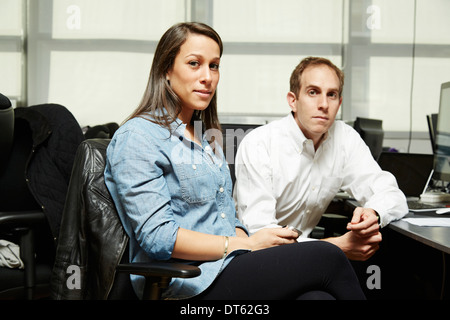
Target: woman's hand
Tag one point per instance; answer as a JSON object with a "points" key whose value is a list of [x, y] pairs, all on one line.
{"points": [[192, 245], [264, 238]]}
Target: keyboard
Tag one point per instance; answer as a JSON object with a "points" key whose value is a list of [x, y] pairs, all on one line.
{"points": [[415, 205]]}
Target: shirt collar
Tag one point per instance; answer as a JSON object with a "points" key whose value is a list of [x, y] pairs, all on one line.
{"points": [[178, 127], [294, 132]]}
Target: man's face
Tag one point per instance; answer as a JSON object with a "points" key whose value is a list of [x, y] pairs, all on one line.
{"points": [[317, 103]]}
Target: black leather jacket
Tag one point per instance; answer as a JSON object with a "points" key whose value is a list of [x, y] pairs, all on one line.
{"points": [[56, 136], [91, 237]]}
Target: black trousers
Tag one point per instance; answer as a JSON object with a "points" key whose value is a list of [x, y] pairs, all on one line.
{"points": [[307, 270]]}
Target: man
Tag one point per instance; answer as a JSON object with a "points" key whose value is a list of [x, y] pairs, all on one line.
{"points": [[288, 171]]}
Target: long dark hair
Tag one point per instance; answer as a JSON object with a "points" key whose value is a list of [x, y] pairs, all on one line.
{"points": [[159, 100]]}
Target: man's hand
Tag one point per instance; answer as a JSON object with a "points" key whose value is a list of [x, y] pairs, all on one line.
{"points": [[364, 222], [355, 247], [362, 241]]}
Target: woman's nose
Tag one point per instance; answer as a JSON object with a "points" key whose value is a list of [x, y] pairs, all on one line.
{"points": [[206, 75]]}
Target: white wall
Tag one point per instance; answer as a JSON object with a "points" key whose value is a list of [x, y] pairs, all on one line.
{"points": [[93, 56]]}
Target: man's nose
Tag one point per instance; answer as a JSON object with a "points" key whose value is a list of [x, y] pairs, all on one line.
{"points": [[323, 102]]}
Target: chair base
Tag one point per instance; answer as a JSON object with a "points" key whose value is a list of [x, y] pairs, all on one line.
{"points": [[12, 287]]}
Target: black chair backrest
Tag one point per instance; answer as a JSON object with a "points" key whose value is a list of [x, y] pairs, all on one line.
{"points": [[6, 130], [232, 137], [14, 192]]}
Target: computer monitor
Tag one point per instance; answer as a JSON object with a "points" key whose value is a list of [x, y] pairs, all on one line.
{"points": [[371, 131], [432, 120], [442, 154]]}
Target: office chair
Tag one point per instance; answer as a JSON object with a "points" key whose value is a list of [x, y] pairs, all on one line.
{"points": [[232, 135], [21, 218], [371, 131], [93, 240], [7, 129], [102, 131], [33, 186]]}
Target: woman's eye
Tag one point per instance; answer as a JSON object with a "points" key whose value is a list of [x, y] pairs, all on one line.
{"points": [[194, 63], [214, 66]]}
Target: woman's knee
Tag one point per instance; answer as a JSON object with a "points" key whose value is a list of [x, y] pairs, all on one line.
{"points": [[326, 248], [332, 249], [328, 253]]}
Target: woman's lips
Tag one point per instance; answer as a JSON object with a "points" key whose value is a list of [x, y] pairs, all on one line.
{"points": [[203, 93]]}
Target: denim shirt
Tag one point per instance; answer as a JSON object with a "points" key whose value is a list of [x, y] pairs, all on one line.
{"points": [[161, 182]]}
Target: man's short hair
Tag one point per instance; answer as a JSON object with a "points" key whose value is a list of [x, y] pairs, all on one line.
{"points": [[296, 75]]}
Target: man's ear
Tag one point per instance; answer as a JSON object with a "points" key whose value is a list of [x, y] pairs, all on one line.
{"points": [[340, 104], [292, 101]]}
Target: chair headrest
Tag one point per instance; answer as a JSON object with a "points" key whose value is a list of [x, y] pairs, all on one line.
{"points": [[6, 131], [5, 103]]}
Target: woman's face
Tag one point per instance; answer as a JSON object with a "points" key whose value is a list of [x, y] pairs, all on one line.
{"points": [[195, 74]]}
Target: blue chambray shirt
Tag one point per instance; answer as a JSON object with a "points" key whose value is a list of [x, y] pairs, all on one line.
{"points": [[161, 182]]}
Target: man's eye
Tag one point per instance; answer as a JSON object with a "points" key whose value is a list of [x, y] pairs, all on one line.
{"points": [[333, 94], [312, 92]]}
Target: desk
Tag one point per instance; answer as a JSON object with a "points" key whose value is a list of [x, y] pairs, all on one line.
{"points": [[435, 237], [418, 260], [414, 259]]}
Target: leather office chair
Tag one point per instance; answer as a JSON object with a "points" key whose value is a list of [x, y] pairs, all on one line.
{"points": [[21, 218], [93, 239], [232, 135]]}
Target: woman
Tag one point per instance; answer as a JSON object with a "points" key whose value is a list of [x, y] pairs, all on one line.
{"points": [[172, 189]]}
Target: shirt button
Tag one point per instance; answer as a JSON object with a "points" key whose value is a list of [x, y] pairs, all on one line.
{"points": [[208, 148], [222, 215], [194, 167], [221, 189]]}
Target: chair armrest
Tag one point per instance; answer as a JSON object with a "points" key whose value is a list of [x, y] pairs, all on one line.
{"points": [[158, 275], [160, 269], [14, 218]]}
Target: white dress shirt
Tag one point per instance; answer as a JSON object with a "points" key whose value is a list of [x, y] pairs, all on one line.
{"points": [[282, 180]]}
